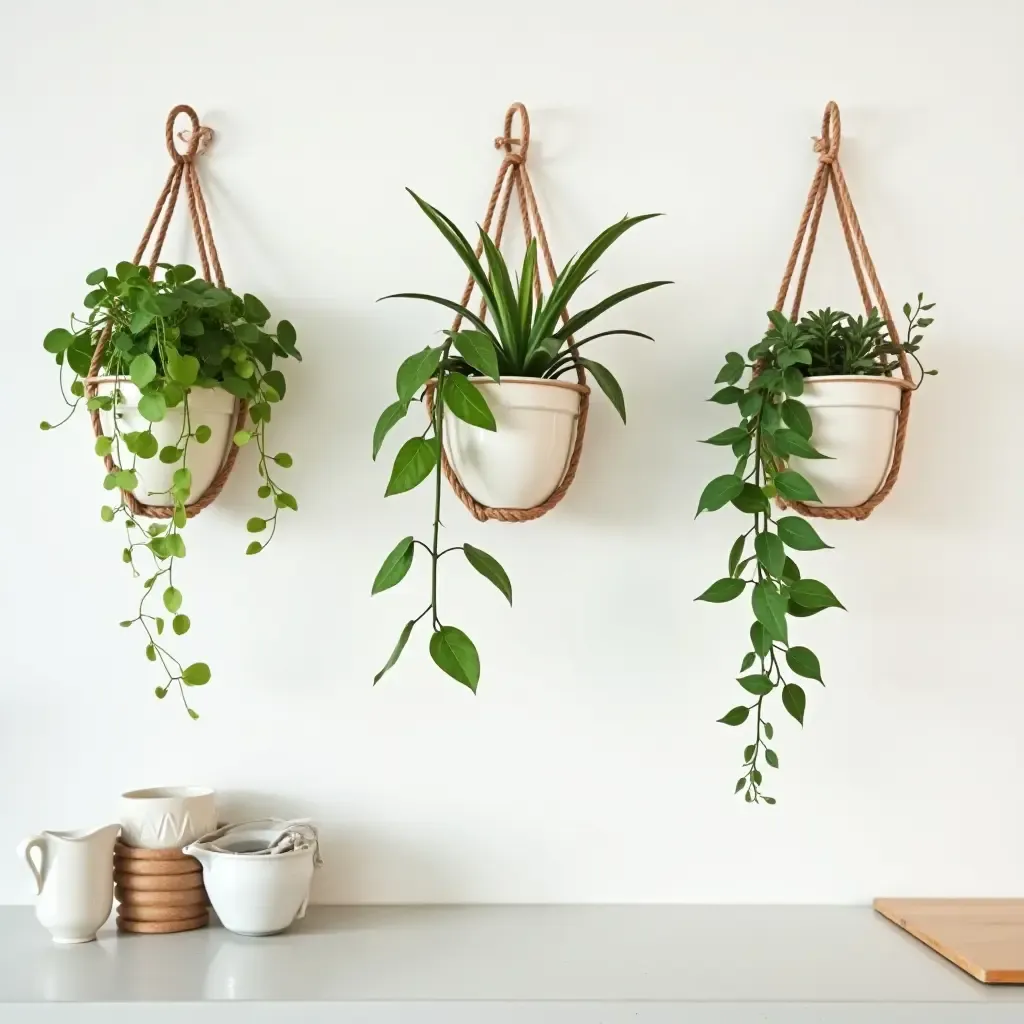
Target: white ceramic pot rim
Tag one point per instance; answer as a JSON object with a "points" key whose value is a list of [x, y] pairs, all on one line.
{"points": [[859, 378], [582, 389], [167, 793], [306, 851]]}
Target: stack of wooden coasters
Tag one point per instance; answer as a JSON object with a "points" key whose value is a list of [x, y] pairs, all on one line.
{"points": [[159, 891]]}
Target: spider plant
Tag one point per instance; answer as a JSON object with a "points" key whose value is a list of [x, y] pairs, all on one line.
{"points": [[526, 337]]}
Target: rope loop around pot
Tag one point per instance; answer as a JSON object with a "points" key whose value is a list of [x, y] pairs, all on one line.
{"points": [[513, 176], [183, 171], [829, 175]]}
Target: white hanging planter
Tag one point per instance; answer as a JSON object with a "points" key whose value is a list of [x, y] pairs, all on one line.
{"points": [[214, 407], [854, 420], [521, 463]]}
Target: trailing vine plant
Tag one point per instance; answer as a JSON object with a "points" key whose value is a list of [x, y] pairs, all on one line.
{"points": [[169, 336], [527, 339], [774, 426]]}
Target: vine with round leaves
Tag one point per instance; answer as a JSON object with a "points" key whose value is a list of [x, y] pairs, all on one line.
{"points": [[168, 336], [775, 426]]}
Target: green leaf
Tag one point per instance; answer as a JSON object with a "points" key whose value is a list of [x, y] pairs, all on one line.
{"points": [[182, 369], [750, 404], [254, 548], [790, 571], [110, 481], [791, 442], [453, 652], [719, 493], [467, 402], [141, 319], [203, 433], [395, 566], [264, 491], [794, 700], [757, 684], [736, 553], [286, 500], [197, 674], [804, 662], [760, 640], [104, 445], [150, 652], [813, 594], [181, 624], [413, 464], [748, 659], [737, 716], [146, 446], [477, 349], [733, 369], [256, 524], [180, 517], [172, 599], [489, 567], [792, 486], [253, 310], [174, 394], [58, 340], [752, 500], [242, 438], [800, 612], [395, 412], [397, 652], [169, 454], [771, 757], [755, 777], [153, 407], [97, 277], [797, 416], [176, 545], [768, 730], [722, 590], [275, 379], [283, 459], [727, 396], [126, 479], [730, 436], [770, 553], [286, 339], [236, 386], [793, 382], [182, 479], [740, 784], [770, 610], [107, 514], [416, 371], [608, 384], [798, 534], [142, 370]]}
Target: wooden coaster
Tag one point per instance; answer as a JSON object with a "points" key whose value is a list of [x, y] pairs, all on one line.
{"points": [[178, 898], [158, 883], [163, 927], [983, 937], [136, 912], [138, 853], [185, 866]]}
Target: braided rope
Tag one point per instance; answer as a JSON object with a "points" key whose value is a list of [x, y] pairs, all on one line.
{"points": [[513, 176], [183, 170], [829, 173]]}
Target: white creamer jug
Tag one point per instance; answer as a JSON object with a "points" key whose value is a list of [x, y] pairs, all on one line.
{"points": [[74, 880]]}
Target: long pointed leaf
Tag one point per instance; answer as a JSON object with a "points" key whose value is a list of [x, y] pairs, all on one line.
{"points": [[465, 313], [526, 289], [506, 304], [566, 357], [608, 384], [584, 317]]}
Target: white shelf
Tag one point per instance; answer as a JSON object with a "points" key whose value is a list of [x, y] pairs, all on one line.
{"points": [[504, 964]]}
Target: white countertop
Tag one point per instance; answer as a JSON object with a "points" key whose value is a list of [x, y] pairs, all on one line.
{"points": [[506, 963]]}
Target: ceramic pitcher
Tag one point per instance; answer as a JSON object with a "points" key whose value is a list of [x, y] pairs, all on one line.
{"points": [[74, 880]]}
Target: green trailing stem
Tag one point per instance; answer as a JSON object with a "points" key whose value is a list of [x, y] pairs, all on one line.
{"points": [[774, 425]]}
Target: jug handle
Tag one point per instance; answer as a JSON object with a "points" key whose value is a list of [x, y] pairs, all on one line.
{"points": [[25, 849]]}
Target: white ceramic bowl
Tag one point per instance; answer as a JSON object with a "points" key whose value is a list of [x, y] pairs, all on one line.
{"points": [[166, 817]]}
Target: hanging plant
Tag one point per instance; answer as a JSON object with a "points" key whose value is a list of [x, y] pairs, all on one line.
{"points": [[472, 385], [789, 428], [178, 374]]}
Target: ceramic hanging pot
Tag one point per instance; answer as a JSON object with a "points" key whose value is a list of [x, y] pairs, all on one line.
{"points": [[854, 420], [521, 463], [214, 407]]}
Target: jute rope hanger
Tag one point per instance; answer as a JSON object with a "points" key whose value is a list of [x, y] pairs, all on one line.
{"points": [[830, 173], [183, 170], [513, 176]]}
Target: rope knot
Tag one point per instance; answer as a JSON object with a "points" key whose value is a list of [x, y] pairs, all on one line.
{"points": [[827, 144], [205, 140], [502, 142], [826, 154]]}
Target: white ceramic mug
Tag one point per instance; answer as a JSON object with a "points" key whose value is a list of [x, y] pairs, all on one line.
{"points": [[167, 817]]}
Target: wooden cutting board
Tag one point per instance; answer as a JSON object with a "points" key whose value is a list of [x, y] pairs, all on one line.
{"points": [[983, 937]]}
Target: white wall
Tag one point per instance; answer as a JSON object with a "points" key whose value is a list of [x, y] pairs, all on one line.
{"points": [[589, 767]]}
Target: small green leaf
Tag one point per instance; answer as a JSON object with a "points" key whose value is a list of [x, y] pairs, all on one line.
{"points": [[748, 752], [286, 339], [797, 416], [397, 652], [142, 370], [58, 340], [180, 517], [453, 652], [608, 384], [798, 534], [414, 371], [413, 464], [719, 493], [750, 403], [159, 625], [125, 623], [184, 370], [256, 525], [800, 612], [254, 548], [153, 407], [813, 594], [172, 599], [274, 379], [804, 662], [107, 514], [197, 674], [727, 396], [722, 590], [791, 442], [489, 567], [242, 437], [467, 402], [770, 553], [388, 418], [790, 571], [254, 311], [756, 684], [180, 624], [768, 799], [794, 700], [126, 480], [737, 716], [793, 382], [161, 692], [103, 446], [169, 454], [286, 500], [478, 350], [740, 784], [792, 486], [182, 480], [770, 610], [395, 566], [733, 369], [730, 436], [283, 459], [45, 426], [110, 481], [768, 730], [736, 553], [146, 446], [748, 659], [752, 500], [772, 758], [264, 491], [203, 433], [760, 640], [151, 652], [97, 277], [755, 777]]}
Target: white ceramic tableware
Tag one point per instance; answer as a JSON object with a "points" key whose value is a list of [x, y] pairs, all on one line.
{"points": [[854, 423], [521, 463], [74, 880], [166, 817], [214, 407]]}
